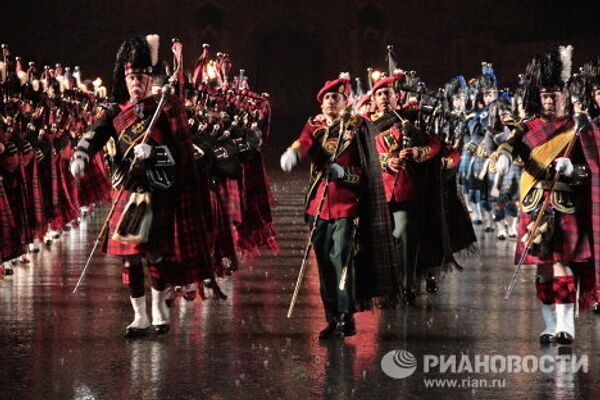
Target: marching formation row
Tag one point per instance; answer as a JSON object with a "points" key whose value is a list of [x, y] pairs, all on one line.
{"points": [[44, 117]]}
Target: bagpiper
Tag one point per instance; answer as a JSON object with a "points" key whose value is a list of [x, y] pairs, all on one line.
{"points": [[157, 207]]}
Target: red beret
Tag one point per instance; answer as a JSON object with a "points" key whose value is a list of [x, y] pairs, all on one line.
{"points": [[363, 99], [384, 82], [390, 81], [340, 85]]}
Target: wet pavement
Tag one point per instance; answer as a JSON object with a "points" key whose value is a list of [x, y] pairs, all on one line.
{"points": [[56, 345]]}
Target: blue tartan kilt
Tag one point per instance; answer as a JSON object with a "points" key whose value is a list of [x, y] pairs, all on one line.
{"points": [[463, 168], [476, 166], [510, 183]]}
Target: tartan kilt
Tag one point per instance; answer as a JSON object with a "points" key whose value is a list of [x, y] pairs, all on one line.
{"points": [[9, 242], [224, 245], [510, 183], [178, 232], [37, 197], [26, 210], [231, 197], [571, 242], [46, 177], [475, 168], [95, 185], [14, 185], [256, 229], [65, 210], [161, 229], [191, 260], [463, 168]]}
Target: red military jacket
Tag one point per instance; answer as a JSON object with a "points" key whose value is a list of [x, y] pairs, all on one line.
{"points": [[318, 141], [400, 186]]}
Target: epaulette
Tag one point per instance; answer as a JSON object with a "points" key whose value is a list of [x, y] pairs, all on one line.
{"points": [[312, 122]]}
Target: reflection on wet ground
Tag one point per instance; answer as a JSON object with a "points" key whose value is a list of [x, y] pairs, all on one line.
{"points": [[61, 346]]}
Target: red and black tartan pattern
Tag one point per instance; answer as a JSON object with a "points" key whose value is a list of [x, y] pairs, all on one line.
{"points": [[179, 224], [191, 261], [540, 132], [34, 212], [25, 211], [256, 230], [232, 200], [95, 185], [224, 245], [37, 198], [545, 291], [590, 144], [65, 210], [570, 243], [589, 139], [9, 242], [564, 289], [46, 182], [161, 230], [15, 191]]}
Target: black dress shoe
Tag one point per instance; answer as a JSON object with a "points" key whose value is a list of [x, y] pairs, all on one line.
{"points": [[563, 338], [546, 338], [161, 329], [347, 327], [331, 330], [431, 284], [596, 308], [136, 332], [8, 271]]}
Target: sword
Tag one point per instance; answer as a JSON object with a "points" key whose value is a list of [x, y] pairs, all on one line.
{"points": [[346, 114], [532, 234]]}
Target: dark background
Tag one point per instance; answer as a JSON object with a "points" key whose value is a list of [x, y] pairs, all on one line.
{"points": [[288, 48]]}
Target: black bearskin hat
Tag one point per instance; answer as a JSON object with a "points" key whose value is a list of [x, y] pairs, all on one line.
{"points": [[456, 87], [547, 70], [591, 71], [487, 81], [139, 54], [579, 90]]}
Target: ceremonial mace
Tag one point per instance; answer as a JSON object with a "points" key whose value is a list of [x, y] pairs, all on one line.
{"points": [[532, 234], [345, 116]]}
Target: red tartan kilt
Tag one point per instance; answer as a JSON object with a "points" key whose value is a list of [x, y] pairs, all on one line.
{"points": [[9, 242], [571, 242], [95, 185], [161, 230]]}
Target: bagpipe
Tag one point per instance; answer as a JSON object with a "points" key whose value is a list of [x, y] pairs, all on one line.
{"points": [[229, 121]]}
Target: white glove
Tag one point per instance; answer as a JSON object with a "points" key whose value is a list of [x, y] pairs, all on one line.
{"points": [[142, 151], [77, 165], [564, 166], [502, 164], [336, 171], [289, 160]]}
